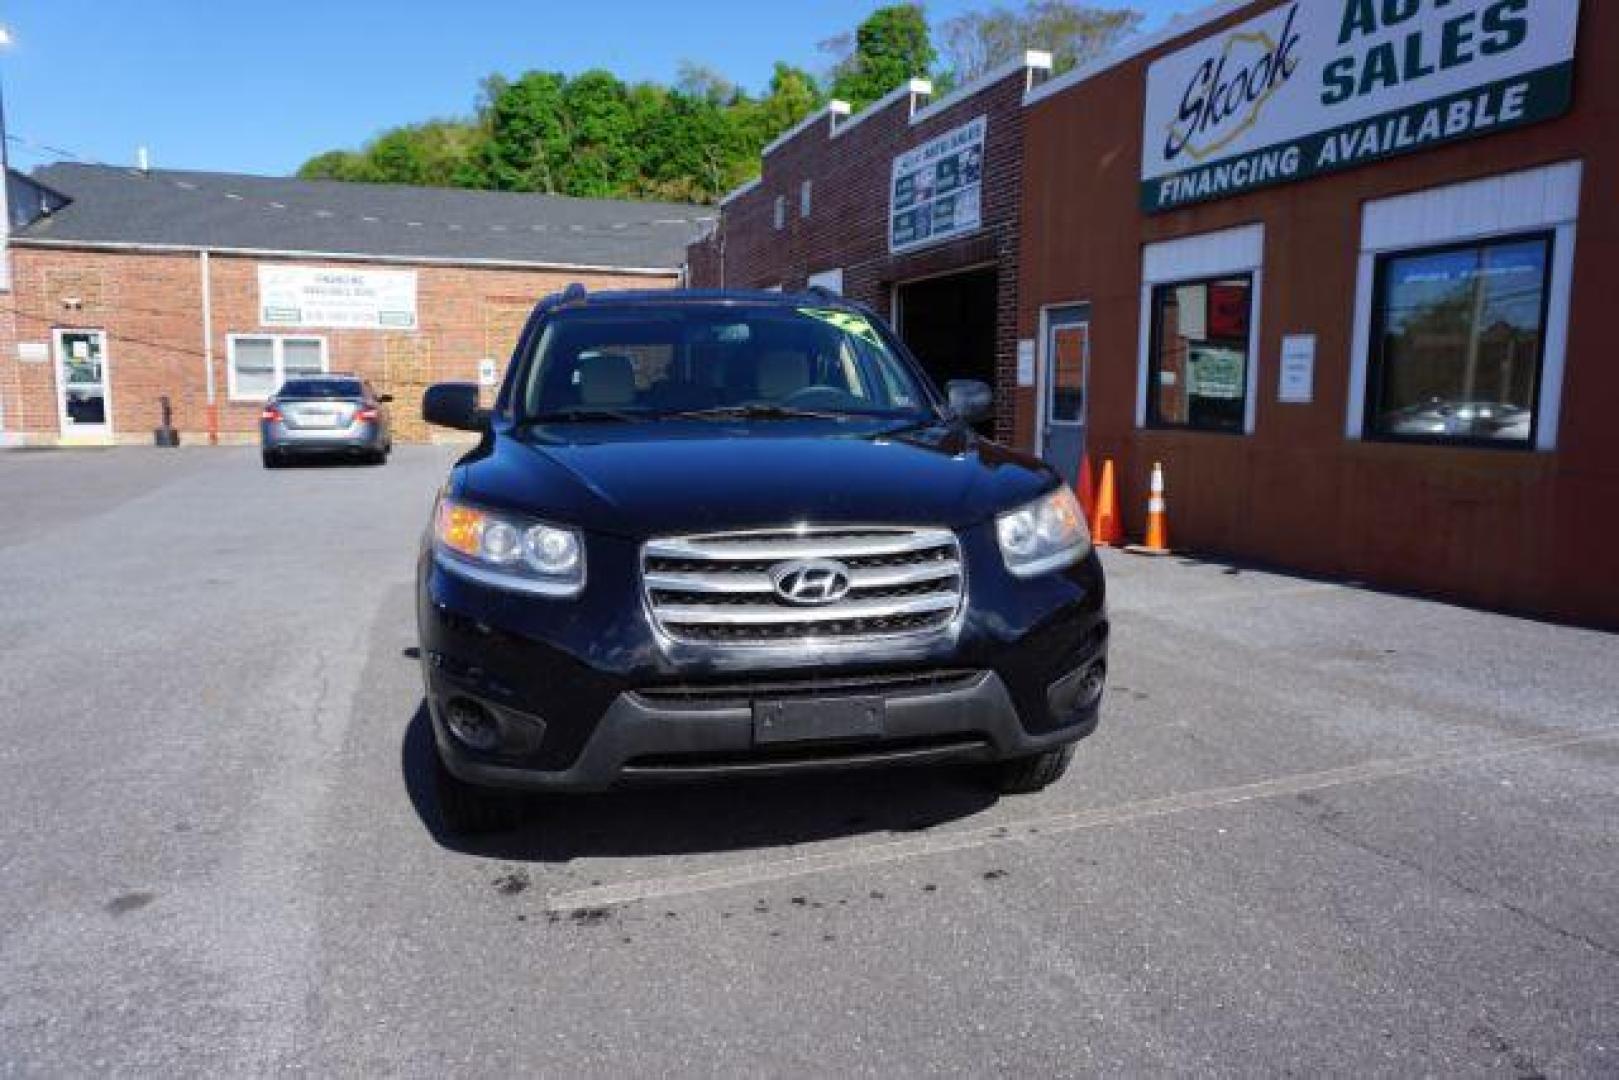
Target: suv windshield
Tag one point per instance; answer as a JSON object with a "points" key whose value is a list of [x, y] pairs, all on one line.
{"points": [[320, 388], [694, 360]]}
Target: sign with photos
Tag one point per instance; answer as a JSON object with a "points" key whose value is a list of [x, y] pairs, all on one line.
{"points": [[936, 191]]}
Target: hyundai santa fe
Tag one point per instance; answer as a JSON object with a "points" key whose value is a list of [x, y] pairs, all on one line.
{"points": [[723, 534]]}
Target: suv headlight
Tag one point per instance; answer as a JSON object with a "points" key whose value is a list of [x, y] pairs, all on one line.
{"points": [[508, 552], [1047, 534]]}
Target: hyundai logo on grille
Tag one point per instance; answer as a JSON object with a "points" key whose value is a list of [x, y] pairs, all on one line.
{"points": [[811, 581]]}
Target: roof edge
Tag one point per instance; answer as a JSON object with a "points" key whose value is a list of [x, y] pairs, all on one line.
{"points": [[830, 111], [909, 88], [133, 247], [1030, 61]]}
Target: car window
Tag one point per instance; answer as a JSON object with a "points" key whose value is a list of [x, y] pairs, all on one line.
{"points": [[688, 357], [319, 388]]}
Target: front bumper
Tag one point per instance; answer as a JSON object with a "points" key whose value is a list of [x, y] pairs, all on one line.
{"points": [[588, 695]]}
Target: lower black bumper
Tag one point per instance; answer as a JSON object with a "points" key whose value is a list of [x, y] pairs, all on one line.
{"points": [[648, 738], [586, 695]]}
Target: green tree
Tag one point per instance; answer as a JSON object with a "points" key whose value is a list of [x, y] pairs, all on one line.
{"points": [[439, 153], [976, 42], [601, 154], [434, 154], [695, 151], [793, 95], [705, 83], [891, 46], [336, 165], [527, 141]]}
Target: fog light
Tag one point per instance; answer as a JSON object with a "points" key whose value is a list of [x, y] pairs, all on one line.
{"points": [[472, 724], [1076, 692]]}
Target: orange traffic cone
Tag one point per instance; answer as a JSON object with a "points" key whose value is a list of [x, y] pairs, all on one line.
{"points": [[1157, 518], [1085, 487], [1105, 528]]}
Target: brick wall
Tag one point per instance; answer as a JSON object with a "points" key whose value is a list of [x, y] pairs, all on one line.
{"points": [[847, 227], [150, 305]]}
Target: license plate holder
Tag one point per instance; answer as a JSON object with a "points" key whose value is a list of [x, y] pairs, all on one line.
{"points": [[798, 720]]}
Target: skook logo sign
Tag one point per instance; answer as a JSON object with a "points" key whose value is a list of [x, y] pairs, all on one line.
{"points": [[1315, 86]]}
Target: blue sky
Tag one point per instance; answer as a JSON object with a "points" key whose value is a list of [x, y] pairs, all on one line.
{"points": [[259, 87]]}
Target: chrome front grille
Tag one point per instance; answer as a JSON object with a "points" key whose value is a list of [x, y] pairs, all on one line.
{"points": [[721, 589]]}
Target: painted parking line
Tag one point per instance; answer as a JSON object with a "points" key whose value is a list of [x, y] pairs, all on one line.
{"points": [[1028, 830]]}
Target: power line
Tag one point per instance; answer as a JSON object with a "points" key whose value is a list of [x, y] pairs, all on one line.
{"points": [[52, 320]]}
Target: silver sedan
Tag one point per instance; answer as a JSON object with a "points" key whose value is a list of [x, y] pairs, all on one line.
{"points": [[325, 415]]}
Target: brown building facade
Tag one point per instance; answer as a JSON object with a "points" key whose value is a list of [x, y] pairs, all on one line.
{"points": [[239, 282], [910, 206], [1339, 266], [1384, 355]]}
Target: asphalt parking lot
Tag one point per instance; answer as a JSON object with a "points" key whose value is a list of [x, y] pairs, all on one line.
{"points": [[1322, 830]]}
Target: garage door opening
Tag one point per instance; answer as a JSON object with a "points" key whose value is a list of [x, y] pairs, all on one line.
{"points": [[949, 323]]}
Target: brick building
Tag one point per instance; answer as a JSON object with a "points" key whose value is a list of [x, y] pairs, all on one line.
{"points": [[940, 261], [1341, 267], [1366, 334], [129, 287]]}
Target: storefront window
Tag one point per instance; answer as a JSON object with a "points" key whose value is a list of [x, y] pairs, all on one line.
{"points": [[1458, 336], [1198, 376]]}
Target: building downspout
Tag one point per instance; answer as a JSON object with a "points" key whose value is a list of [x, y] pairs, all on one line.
{"points": [[208, 347]]}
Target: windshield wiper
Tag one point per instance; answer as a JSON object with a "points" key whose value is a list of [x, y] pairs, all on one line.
{"points": [[584, 415], [754, 412]]}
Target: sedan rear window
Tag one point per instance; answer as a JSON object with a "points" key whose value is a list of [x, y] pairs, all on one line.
{"points": [[320, 388]]}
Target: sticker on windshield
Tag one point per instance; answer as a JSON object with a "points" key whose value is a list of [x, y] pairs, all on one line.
{"points": [[847, 321]]}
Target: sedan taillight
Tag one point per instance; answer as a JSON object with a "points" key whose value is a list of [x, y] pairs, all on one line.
{"points": [[271, 414], [366, 415]]}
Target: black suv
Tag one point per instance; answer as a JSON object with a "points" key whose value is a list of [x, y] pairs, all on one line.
{"points": [[715, 534]]}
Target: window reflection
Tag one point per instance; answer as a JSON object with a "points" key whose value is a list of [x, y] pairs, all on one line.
{"points": [[1460, 336]]}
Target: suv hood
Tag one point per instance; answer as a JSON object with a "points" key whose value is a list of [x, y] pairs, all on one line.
{"points": [[674, 478]]}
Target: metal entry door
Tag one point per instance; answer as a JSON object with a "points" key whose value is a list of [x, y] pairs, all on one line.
{"points": [[84, 404], [1067, 373]]}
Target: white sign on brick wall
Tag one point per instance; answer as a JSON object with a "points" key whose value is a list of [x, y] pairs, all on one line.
{"points": [[337, 299], [937, 188]]}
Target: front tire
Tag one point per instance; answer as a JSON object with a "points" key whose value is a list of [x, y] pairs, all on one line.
{"points": [[470, 810], [1036, 772]]}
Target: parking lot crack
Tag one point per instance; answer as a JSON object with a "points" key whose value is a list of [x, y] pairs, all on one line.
{"points": [[1325, 824]]}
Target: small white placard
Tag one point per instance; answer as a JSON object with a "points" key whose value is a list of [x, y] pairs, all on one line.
{"points": [[486, 372], [33, 352], [1025, 362], [831, 280], [1298, 369]]}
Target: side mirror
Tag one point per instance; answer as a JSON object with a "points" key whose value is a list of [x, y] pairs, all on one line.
{"points": [[971, 400], [454, 405], [385, 399]]}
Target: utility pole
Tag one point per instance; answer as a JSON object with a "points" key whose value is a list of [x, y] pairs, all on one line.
{"points": [[5, 183]]}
